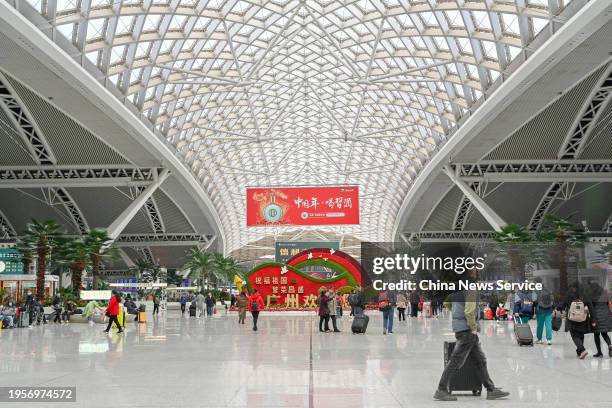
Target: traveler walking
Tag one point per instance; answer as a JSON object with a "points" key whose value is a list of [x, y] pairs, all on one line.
{"points": [[544, 313], [183, 301], [112, 311], [200, 301], [256, 304], [602, 317], [155, 305], [69, 310], [242, 302], [414, 298], [323, 310], [401, 306], [523, 306], [465, 315], [332, 305], [210, 304], [30, 305], [494, 304], [339, 305], [578, 320], [56, 304], [386, 304]]}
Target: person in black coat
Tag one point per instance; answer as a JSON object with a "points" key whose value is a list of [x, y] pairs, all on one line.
{"points": [[577, 329], [602, 317]]}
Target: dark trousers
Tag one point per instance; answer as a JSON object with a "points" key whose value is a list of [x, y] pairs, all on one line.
{"points": [[324, 319], [255, 317], [414, 309], [155, 308], [58, 315], [209, 310], [578, 339], [401, 311], [352, 311], [467, 346], [598, 342], [111, 320], [494, 310], [182, 308], [333, 319]]}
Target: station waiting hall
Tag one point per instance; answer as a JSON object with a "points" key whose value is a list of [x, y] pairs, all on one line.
{"points": [[305, 203]]}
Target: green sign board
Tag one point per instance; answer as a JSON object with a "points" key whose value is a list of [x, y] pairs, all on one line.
{"points": [[10, 261], [288, 249]]}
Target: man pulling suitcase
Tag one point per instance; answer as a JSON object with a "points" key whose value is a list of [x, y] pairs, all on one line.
{"points": [[463, 306]]}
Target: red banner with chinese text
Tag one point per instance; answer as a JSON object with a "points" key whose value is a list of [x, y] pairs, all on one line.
{"points": [[302, 205]]}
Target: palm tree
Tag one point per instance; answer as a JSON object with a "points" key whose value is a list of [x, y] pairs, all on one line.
{"points": [[564, 233], [514, 237], [199, 264], [26, 248], [45, 235], [76, 254], [226, 268], [99, 245]]}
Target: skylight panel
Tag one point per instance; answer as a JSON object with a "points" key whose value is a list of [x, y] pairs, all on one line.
{"points": [[441, 43], [143, 49], [124, 25], [510, 23], [65, 5], [100, 3], [465, 46], [429, 19], [481, 20], [95, 28], [177, 22], [151, 22], [117, 54], [489, 49], [538, 24], [454, 18], [166, 46]]}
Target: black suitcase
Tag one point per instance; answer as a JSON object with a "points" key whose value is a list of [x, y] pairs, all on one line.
{"points": [[522, 332], [360, 324], [556, 321], [192, 311], [466, 379]]}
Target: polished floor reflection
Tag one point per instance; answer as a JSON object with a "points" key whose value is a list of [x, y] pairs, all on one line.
{"points": [[214, 362]]}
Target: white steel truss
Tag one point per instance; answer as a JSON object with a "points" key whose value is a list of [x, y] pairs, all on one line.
{"points": [[39, 149], [155, 218], [588, 117], [537, 171], [465, 209], [76, 176], [449, 236], [545, 203], [139, 240], [271, 92], [33, 138], [6, 228], [145, 253]]}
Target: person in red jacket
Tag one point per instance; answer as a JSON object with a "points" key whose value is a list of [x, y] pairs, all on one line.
{"points": [[256, 304], [112, 311]]}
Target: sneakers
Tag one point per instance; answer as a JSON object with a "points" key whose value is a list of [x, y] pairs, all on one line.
{"points": [[549, 342], [443, 395], [583, 355], [598, 355], [538, 341], [496, 393]]}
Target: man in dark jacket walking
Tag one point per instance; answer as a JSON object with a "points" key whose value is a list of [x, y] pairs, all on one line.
{"points": [[602, 317], [415, 298], [465, 313]]}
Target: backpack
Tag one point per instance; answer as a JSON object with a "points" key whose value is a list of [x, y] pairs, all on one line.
{"points": [[254, 306], [353, 299], [577, 311], [546, 299], [526, 307], [383, 302]]}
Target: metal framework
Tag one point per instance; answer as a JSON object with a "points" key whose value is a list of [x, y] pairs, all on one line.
{"points": [[545, 203], [145, 253], [76, 176], [465, 208], [586, 121], [77, 217], [34, 140], [155, 218], [449, 236], [230, 83], [145, 240], [537, 171], [6, 228]]}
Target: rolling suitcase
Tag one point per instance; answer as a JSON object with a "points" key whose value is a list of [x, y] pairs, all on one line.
{"points": [[192, 310], [466, 379], [360, 324], [522, 332]]}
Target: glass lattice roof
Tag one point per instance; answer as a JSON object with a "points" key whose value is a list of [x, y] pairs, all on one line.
{"points": [[314, 92]]}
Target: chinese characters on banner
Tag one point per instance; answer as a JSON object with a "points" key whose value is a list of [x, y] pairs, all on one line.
{"points": [[302, 206]]}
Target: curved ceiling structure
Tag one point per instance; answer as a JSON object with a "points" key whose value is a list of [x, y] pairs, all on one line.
{"points": [[287, 92]]}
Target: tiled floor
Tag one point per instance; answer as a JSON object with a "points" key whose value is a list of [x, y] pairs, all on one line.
{"points": [[182, 362]]}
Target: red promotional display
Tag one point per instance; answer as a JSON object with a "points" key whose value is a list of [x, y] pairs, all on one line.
{"points": [[286, 286], [302, 206]]}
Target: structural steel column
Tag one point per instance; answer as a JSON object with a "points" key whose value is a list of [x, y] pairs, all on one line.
{"points": [[487, 212], [126, 216]]}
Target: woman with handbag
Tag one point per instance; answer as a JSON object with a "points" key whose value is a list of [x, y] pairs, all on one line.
{"points": [[112, 311], [602, 318]]}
